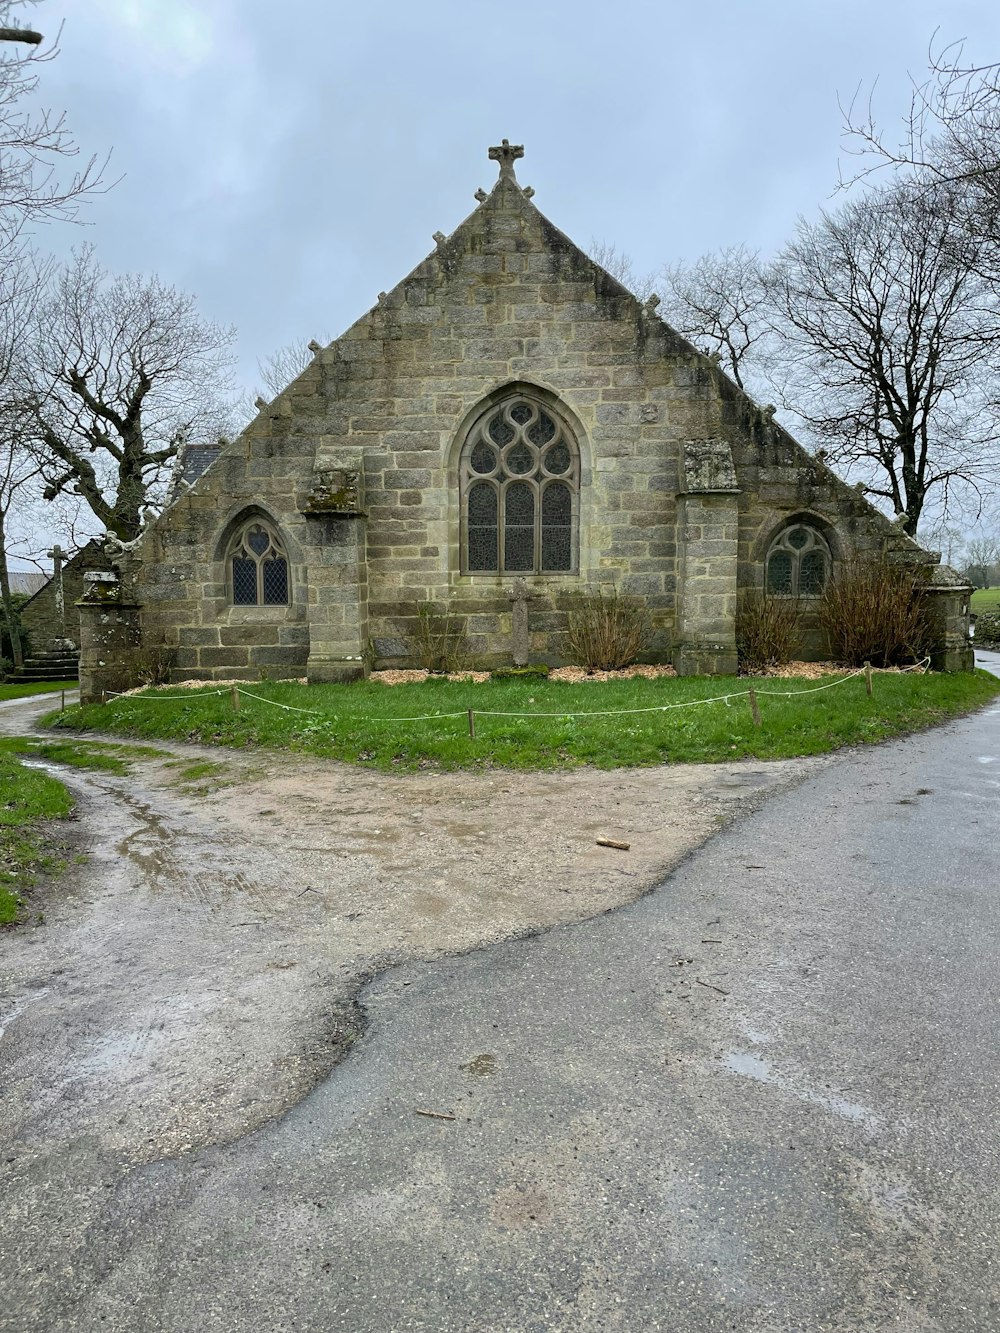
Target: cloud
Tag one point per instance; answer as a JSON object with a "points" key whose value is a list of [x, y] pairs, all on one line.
{"points": [[172, 37]]}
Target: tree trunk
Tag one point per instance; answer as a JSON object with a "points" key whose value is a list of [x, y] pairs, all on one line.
{"points": [[9, 612], [21, 35]]}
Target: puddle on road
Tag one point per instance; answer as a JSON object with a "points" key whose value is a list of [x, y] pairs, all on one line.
{"points": [[762, 1071], [18, 1007]]}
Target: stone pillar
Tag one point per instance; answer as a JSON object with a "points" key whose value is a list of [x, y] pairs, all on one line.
{"points": [[338, 569], [947, 599], [109, 636], [708, 529]]}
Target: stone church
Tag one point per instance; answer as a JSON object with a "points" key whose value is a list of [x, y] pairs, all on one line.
{"points": [[507, 422]]}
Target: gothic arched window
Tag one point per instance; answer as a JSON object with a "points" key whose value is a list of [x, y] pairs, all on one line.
{"points": [[257, 567], [798, 563], [519, 484]]}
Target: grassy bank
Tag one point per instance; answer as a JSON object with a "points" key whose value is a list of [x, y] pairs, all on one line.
{"points": [[985, 599], [27, 799], [37, 687], [426, 725]]}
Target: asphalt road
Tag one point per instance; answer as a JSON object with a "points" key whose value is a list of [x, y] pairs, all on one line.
{"points": [[762, 1098]]}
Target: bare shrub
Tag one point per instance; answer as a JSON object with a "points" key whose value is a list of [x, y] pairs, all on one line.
{"points": [[767, 630], [872, 611], [153, 665], [437, 637], [605, 631]]}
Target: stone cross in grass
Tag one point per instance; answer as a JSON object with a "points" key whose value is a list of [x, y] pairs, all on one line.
{"points": [[57, 555], [519, 599]]}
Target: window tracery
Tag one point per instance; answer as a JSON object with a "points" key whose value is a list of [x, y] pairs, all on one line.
{"points": [[519, 480], [798, 563], [257, 567]]}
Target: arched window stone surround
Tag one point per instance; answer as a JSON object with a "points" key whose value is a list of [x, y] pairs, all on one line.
{"points": [[798, 557], [517, 473], [252, 536]]}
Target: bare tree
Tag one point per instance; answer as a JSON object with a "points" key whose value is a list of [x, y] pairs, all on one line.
{"points": [[620, 266], [950, 136], [889, 343], [279, 369], [34, 143], [114, 375], [982, 555], [17, 473], [20, 286], [718, 303], [276, 371]]}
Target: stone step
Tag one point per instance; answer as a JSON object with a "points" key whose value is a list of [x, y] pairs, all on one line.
{"points": [[60, 661], [43, 666]]}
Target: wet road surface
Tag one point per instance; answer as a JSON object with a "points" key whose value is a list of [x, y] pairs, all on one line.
{"points": [[761, 1098]]}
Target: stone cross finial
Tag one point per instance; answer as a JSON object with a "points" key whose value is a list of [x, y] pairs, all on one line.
{"points": [[507, 154]]}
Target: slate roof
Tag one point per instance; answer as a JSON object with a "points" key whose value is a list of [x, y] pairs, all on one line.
{"points": [[196, 459], [26, 583]]}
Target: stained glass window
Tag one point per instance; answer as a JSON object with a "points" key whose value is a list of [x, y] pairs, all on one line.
{"points": [[519, 521], [258, 567], [798, 563], [482, 527], [557, 527]]}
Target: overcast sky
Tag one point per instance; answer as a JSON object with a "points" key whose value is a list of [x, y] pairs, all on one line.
{"points": [[286, 169], [286, 163]]}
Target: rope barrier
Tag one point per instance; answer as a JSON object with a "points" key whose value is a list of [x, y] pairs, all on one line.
{"points": [[619, 712], [425, 717], [289, 708], [813, 689], [489, 712], [188, 694]]}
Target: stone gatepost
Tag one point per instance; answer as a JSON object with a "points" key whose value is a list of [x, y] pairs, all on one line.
{"points": [[947, 598], [109, 636], [708, 524], [338, 569]]}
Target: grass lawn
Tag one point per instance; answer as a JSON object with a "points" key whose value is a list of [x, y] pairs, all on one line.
{"points": [[407, 727], [39, 687], [27, 797], [985, 599]]}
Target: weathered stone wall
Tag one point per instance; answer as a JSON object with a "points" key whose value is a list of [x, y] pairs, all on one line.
{"points": [[506, 302], [41, 615]]}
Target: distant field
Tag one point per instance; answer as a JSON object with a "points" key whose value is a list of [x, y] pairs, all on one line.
{"points": [[986, 599]]}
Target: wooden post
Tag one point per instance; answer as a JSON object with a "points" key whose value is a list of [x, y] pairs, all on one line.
{"points": [[472, 724], [754, 707], [63, 704], [236, 699], [868, 679]]}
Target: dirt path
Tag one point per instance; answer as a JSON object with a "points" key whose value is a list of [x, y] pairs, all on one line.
{"points": [[195, 972]]}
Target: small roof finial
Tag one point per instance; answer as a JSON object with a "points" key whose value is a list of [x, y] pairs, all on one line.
{"points": [[507, 154]]}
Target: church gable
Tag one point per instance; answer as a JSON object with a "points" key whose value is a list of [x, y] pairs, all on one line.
{"points": [[506, 412]]}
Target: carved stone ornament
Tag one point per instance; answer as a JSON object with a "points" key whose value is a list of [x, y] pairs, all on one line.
{"points": [[708, 466], [101, 586], [335, 491]]}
